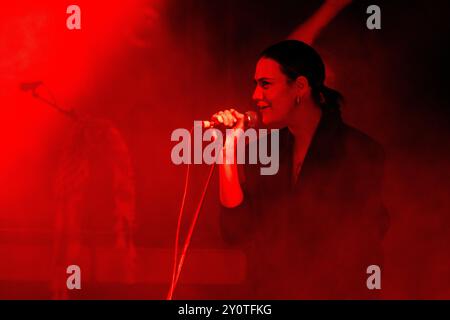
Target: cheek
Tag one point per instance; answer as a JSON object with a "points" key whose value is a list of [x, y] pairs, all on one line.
{"points": [[283, 104]]}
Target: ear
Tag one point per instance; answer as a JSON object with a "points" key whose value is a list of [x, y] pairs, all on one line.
{"points": [[301, 85]]}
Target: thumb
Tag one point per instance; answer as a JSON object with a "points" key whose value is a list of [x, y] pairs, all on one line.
{"points": [[240, 119]]}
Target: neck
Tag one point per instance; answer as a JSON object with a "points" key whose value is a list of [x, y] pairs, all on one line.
{"points": [[304, 120]]}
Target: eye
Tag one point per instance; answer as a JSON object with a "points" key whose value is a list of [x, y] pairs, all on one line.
{"points": [[265, 84]]}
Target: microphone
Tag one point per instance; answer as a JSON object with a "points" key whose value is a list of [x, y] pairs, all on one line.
{"points": [[27, 86], [251, 120]]}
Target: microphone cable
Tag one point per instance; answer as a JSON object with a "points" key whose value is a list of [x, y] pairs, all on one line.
{"points": [[177, 235], [177, 267]]}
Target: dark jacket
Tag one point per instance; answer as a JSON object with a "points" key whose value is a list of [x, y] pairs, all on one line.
{"points": [[314, 239]]}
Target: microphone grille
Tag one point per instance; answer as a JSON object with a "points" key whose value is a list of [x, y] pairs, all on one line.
{"points": [[251, 119]]}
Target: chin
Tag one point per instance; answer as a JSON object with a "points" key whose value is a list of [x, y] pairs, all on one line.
{"points": [[266, 121], [271, 123]]}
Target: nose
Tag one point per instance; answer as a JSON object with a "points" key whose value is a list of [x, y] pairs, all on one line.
{"points": [[257, 94]]}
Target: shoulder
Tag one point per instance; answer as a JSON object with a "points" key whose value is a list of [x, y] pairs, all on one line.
{"points": [[361, 146]]}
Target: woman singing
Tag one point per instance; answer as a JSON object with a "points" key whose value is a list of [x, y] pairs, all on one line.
{"points": [[313, 229]]}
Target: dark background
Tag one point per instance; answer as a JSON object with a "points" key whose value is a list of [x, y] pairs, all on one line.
{"points": [[196, 57]]}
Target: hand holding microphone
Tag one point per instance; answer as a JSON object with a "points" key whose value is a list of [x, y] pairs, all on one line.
{"points": [[230, 190], [232, 124], [232, 119]]}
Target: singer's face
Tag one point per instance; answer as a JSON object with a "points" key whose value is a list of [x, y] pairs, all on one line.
{"points": [[274, 95]]}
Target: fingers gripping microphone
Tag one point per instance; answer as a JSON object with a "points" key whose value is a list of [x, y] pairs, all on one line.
{"points": [[250, 121]]}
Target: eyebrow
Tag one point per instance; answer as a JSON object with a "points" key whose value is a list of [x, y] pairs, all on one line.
{"points": [[262, 79]]}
